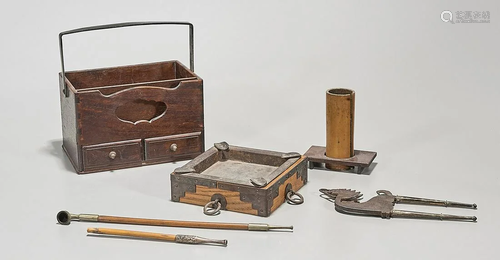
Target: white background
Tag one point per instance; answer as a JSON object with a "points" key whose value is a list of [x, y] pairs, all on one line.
{"points": [[426, 100]]}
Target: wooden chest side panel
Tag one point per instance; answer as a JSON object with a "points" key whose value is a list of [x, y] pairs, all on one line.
{"points": [[69, 125], [296, 183], [298, 179], [203, 195], [183, 114]]}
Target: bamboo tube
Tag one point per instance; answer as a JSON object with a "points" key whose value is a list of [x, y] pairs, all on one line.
{"points": [[171, 223], [184, 239], [339, 125]]}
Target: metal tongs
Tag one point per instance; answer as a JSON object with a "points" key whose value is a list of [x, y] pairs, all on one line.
{"points": [[347, 201]]}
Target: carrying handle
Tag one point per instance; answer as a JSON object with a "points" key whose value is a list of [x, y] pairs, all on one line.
{"points": [[119, 25]]}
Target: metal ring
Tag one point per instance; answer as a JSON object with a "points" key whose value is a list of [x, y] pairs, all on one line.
{"points": [[212, 208], [299, 199]]}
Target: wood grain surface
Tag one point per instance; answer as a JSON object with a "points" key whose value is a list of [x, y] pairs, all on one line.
{"points": [[130, 233], [99, 123], [204, 194]]}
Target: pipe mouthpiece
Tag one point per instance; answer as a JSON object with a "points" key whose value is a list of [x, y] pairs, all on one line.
{"points": [[63, 217], [222, 242], [265, 227], [280, 227]]}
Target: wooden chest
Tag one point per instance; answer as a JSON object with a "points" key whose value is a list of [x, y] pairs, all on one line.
{"points": [[130, 116], [241, 179]]}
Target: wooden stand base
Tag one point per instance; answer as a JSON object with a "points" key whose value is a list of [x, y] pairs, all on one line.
{"points": [[317, 159]]}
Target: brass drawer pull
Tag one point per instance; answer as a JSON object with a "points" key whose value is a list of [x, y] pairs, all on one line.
{"points": [[112, 155], [173, 147]]}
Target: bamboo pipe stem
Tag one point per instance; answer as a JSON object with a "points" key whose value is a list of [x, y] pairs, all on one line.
{"points": [[65, 218], [171, 223], [184, 239], [339, 125]]}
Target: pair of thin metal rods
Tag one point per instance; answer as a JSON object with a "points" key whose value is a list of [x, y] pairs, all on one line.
{"points": [[65, 218]]}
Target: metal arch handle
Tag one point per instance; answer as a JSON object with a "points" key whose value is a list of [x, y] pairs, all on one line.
{"points": [[120, 25]]}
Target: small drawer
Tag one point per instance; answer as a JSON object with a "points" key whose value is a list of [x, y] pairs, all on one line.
{"points": [[109, 154], [173, 146]]}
